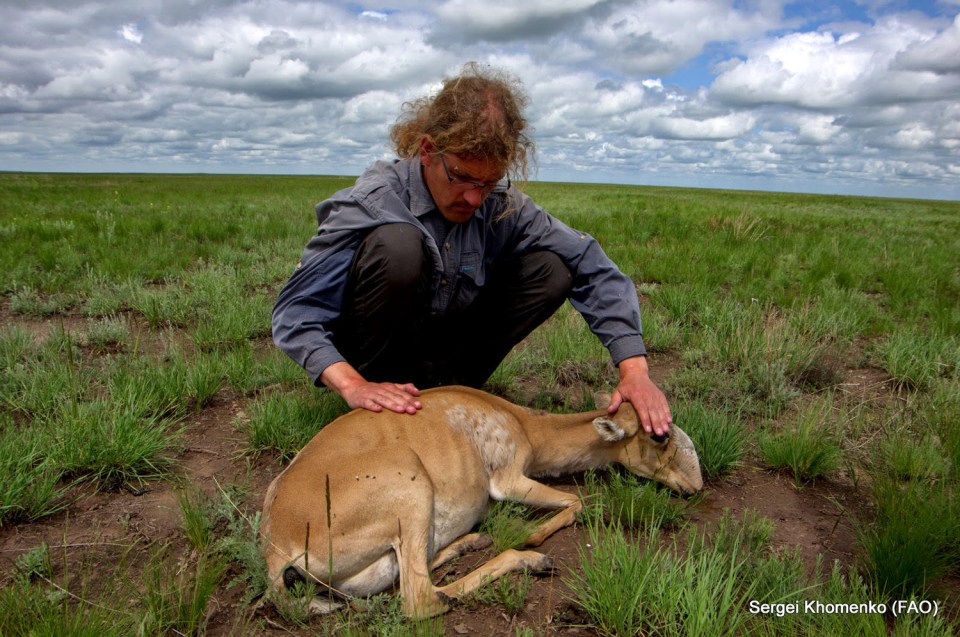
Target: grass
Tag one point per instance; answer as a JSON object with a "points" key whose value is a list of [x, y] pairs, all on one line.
{"points": [[509, 523], [283, 423], [916, 359], [633, 502], [509, 592], [720, 439], [907, 455], [626, 591], [133, 303], [199, 517], [31, 486], [113, 446], [809, 449], [177, 596], [914, 538]]}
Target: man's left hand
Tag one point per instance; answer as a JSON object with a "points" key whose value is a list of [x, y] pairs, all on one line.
{"points": [[649, 402]]}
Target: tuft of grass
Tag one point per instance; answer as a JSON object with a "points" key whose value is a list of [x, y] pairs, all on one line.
{"points": [[509, 523], [112, 443], [635, 503], [107, 298], [720, 440], [30, 302], [916, 359], [616, 581], [162, 307], [914, 538], [284, 423], [510, 592], [29, 481], [177, 596], [941, 412], [246, 371], [778, 352], [199, 517], [809, 450], [627, 590], [907, 456], [107, 332], [40, 379]]}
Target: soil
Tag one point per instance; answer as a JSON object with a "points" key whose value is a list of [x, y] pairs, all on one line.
{"points": [[100, 529]]}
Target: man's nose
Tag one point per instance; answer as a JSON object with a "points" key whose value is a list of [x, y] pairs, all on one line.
{"points": [[474, 196]]}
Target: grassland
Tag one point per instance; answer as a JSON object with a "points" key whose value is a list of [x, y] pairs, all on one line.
{"points": [[812, 337]]}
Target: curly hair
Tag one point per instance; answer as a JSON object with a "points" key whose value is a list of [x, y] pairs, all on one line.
{"points": [[478, 114]]}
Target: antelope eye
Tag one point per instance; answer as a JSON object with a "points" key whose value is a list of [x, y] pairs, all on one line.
{"points": [[658, 438]]}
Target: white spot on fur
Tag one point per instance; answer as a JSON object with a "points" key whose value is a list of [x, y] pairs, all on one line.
{"points": [[488, 432]]}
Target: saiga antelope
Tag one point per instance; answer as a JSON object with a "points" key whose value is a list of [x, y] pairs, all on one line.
{"points": [[393, 495]]}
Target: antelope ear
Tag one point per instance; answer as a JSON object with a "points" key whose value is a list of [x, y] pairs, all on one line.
{"points": [[602, 399], [607, 429]]}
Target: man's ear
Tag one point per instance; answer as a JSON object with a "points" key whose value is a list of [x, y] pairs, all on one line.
{"points": [[427, 150], [602, 399]]}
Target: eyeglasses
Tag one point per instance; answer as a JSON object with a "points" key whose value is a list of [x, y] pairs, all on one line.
{"points": [[468, 184]]}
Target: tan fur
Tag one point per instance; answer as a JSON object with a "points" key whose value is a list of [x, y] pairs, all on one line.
{"points": [[403, 489]]}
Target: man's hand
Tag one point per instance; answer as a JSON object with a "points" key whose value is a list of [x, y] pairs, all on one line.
{"points": [[361, 393], [649, 402]]}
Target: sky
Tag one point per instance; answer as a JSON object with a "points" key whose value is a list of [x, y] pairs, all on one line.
{"points": [[854, 97]]}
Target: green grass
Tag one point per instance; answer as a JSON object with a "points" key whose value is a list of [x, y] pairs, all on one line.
{"points": [[720, 439], [284, 423], [509, 592], [177, 597], [908, 455], [112, 443], [914, 538], [916, 359], [30, 483], [809, 448], [133, 303], [509, 523], [629, 590], [634, 502]]}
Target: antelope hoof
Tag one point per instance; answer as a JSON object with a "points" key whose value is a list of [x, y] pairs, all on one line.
{"points": [[541, 564]]}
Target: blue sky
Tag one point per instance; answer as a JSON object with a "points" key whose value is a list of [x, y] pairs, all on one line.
{"points": [[855, 97]]}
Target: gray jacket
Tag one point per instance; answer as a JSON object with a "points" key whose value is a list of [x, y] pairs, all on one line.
{"points": [[394, 192]]}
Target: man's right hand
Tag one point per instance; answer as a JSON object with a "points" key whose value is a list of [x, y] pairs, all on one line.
{"points": [[363, 394]]}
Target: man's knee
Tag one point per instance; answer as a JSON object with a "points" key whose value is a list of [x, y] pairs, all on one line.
{"points": [[546, 272], [396, 252]]}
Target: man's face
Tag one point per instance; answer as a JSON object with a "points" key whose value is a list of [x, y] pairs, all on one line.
{"points": [[458, 185]]}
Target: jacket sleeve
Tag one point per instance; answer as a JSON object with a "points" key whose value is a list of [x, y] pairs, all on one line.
{"points": [[308, 306], [601, 293]]}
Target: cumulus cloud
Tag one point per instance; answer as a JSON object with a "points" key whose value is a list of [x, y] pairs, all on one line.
{"points": [[497, 21], [702, 92], [882, 63], [658, 36], [939, 54]]}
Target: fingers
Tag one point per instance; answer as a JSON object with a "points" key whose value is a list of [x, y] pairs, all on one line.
{"points": [[654, 418], [650, 404], [616, 399], [376, 397]]}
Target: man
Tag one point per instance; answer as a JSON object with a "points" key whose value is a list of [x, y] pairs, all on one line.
{"points": [[431, 268]]}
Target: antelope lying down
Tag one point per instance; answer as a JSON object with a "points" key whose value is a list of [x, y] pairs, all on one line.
{"points": [[394, 495]]}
